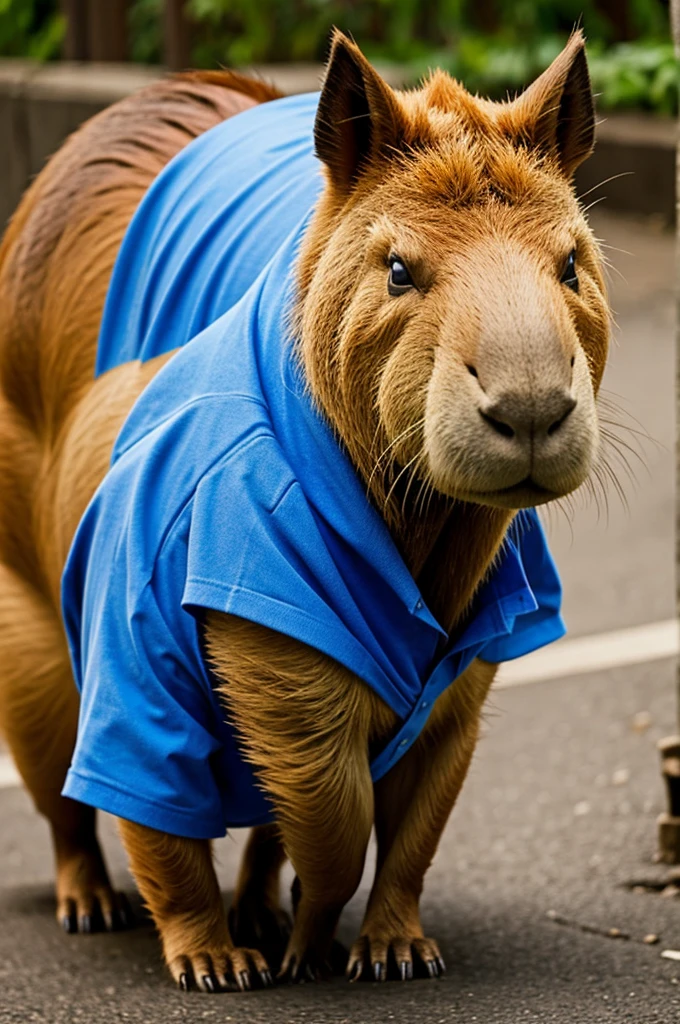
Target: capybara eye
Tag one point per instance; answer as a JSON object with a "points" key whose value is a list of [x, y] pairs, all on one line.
{"points": [[569, 275], [400, 279]]}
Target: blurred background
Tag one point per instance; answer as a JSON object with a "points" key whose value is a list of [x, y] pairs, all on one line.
{"points": [[493, 45], [63, 60]]}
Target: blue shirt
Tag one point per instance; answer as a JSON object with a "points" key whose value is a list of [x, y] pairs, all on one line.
{"points": [[228, 491]]}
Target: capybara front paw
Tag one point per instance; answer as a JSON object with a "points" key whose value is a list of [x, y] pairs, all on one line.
{"points": [[94, 910], [398, 956], [221, 970], [86, 902]]}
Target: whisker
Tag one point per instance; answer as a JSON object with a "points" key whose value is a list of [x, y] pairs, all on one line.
{"points": [[412, 428], [617, 442], [609, 473], [398, 478], [614, 248], [600, 493], [594, 203], [606, 400], [430, 492], [411, 479], [622, 174], [612, 267], [422, 493]]}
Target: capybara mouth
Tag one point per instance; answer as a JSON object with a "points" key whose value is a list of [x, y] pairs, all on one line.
{"points": [[525, 494]]}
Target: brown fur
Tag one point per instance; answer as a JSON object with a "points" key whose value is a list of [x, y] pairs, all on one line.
{"points": [[452, 180]]}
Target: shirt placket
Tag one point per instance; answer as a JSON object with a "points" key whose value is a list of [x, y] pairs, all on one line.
{"points": [[440, 679]]}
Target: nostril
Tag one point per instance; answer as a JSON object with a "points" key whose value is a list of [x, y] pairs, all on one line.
{"points": [[471, 370], [554, 427], [501, 428]]}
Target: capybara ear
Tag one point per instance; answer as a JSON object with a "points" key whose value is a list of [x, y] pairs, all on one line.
{"points": [[359, 120], [556, 112]]}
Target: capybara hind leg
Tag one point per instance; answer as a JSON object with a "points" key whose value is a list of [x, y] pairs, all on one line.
{"points": [[304, 721], [39, 717], [412, 805], [256, 917], [177, 880], [86, 901]]}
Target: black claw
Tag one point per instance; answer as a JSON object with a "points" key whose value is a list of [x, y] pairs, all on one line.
{"points": [[68, 925], [409, 970], [378, 972], [209, 983], [441, 965], [309, 973], [265, 978], [85, 924], [355, 972], [403, 968], [184, 982], [431, 968], [245, 980]]}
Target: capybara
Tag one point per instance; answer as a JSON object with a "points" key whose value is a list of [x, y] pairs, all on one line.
{"points": [[282, 380]]}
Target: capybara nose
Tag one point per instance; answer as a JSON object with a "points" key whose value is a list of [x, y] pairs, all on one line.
{"points": [[533, 417]]}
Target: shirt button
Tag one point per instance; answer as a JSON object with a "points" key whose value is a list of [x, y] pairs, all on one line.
{"points": [[404, 743], [419, 604], [424, 704]]}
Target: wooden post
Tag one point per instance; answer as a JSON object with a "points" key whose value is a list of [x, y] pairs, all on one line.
{"points": [[75, 42], [107, 29], [675, 26], [177, 35]]}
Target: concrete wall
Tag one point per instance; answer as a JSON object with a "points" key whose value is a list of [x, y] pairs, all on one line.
{"points": [[41, 104]]}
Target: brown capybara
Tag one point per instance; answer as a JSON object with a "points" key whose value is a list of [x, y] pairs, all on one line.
{"points": [[442, 350]]}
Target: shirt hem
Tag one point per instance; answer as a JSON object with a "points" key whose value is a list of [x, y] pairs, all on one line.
{"points": [[106, 797]]}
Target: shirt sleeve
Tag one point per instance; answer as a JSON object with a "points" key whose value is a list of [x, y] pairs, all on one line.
{"points": [[147, 732]]}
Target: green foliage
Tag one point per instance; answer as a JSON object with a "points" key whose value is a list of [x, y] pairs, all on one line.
{"points": [[144, 28], [641, 75], [637, 75], [245, 31], [494, 46], [30, 28]]}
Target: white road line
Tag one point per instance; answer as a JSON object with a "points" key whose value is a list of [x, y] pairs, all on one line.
{"points": [[633, 646], [9, 776], [565, 658]]}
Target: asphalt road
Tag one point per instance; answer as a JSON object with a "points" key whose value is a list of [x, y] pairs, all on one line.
{"points": [[558, 813]]}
